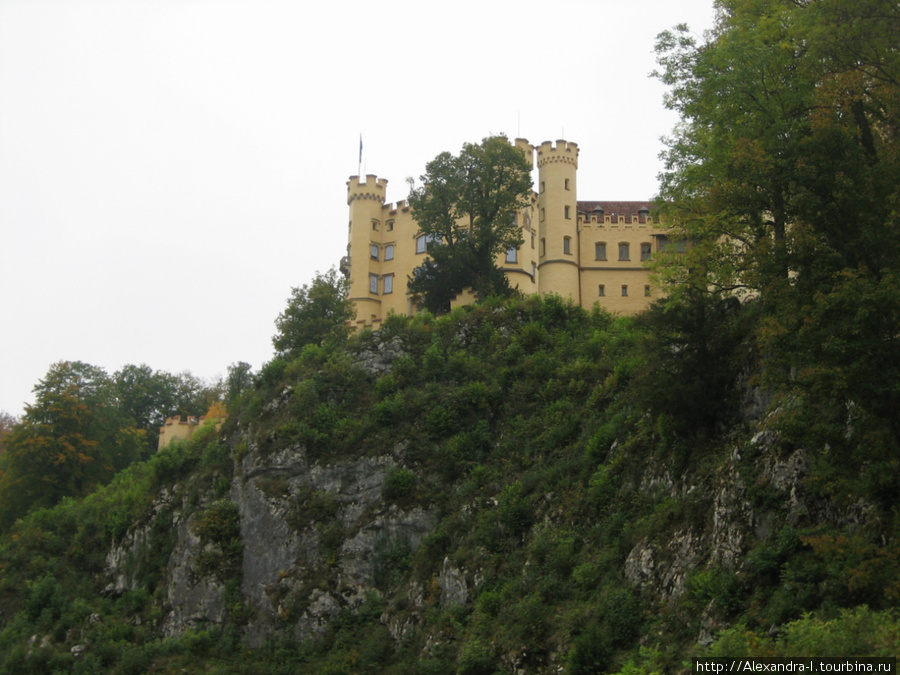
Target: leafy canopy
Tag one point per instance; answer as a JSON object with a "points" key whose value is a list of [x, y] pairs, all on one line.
{"points": [[316, 312], [467, 207], [784, 174]]}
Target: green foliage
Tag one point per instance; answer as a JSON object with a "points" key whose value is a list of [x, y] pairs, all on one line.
{"points": [[852, 632], [219, 531], [467, 205], [317, 313], [528, 432], [399, 485], [591, 653]]}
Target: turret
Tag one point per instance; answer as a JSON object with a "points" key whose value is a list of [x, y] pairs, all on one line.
{"points": [[366, 200], [558, 219]]}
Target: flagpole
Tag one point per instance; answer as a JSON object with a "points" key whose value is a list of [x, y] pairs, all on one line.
{"points": [[359, 166]]}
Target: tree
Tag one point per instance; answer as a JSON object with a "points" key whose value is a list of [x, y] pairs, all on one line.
{"points": [[316, 313], [240, 377], [7, 422], [148, 397], [467, 206], [784, 168], [70, 440], [784, 174]]}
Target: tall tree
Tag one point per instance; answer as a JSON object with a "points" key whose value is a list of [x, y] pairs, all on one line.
{"points": [[148, 397], [466, 206], [784, 174], [784, 167], [316, 313], [71, 439]]}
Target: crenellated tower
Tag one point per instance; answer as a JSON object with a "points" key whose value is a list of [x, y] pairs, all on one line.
{"points": [[366, 200], [558, 255]]}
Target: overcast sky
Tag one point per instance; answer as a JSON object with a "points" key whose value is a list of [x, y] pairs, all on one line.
{"points": [[169, 169]]}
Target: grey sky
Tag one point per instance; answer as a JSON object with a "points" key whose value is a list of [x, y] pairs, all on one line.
{"points": [[169, 169]]}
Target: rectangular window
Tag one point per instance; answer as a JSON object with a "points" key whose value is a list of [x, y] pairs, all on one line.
{"points": [[601, 290], [374, 224], [646, 291], [390, 225], [373, 283], [512, 255], [600, 251], [645, 251], [567, 183], [533, 270], [624, 291], [389, 252], [389, 284], [623, 252], [567, 245], [373, 249], [421, 244], [566, 212]]}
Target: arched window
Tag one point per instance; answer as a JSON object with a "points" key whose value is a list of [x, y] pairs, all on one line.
{"points": [[645, 251]]}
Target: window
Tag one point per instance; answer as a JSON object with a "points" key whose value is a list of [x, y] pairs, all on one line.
{"points": [[513, 219], [542, 213], [542, 186], [512, 255], [423, 241], [533, 270], [645, 251], [567, 183], [532, 240], [390, 225], [646, 291], [373, 283], [543, 247], [601, 290], [600, 250], [373, 251], [566, 212], [389, 252], [624, 291], [374, 224], [567, 245], [623, 252], [389, 284]]}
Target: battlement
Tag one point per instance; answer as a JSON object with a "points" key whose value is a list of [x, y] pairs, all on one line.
{"points": [[372, 188], [400, 206], [562, 151], [179, 428], [527, 149]]}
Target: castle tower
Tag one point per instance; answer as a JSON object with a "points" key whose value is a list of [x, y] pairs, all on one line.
{"points": [[366, 200], [558, 254]]}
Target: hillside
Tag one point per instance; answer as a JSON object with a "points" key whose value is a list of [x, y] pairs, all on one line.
{"points": [[522, 486]]}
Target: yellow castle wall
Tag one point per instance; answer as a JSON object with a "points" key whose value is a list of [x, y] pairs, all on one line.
{"points": [[558, 255]]}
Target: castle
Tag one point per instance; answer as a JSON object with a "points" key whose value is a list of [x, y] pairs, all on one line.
{"points": [[589, 251]]}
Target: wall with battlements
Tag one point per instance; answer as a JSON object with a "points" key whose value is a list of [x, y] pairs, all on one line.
{"points": [[590, 251]]}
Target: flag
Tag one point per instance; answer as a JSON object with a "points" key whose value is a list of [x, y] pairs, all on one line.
{"points": [[360, 148]]}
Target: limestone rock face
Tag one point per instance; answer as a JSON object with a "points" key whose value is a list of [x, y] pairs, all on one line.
{"points": [[316, 536], [195, 600]]}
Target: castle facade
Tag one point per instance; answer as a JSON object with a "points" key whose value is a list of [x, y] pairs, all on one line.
{"points": [[593, 252]]}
